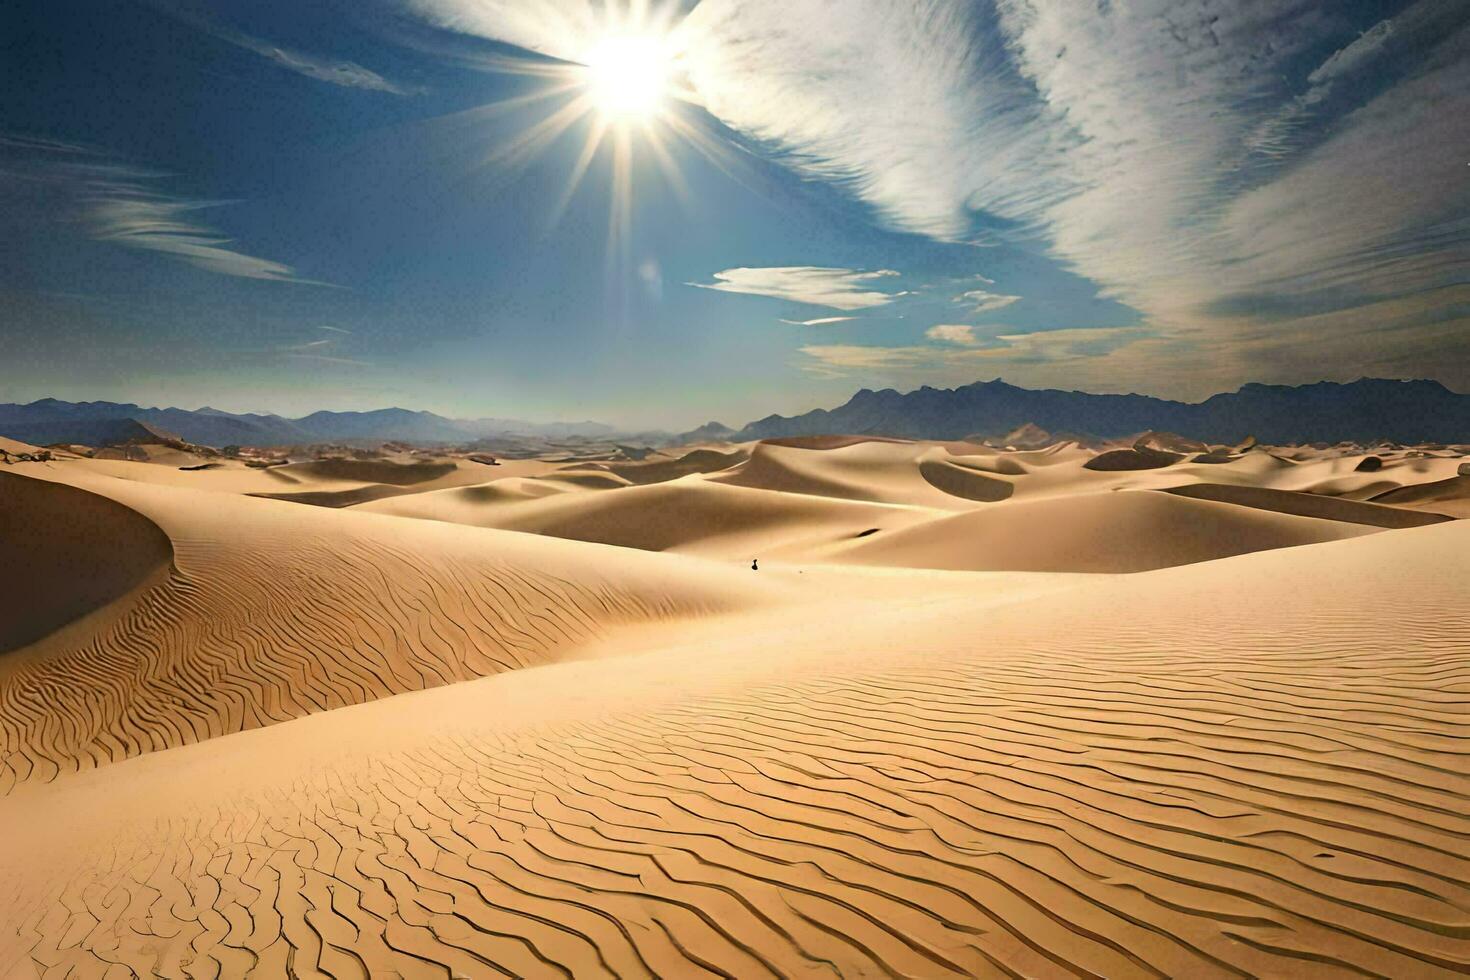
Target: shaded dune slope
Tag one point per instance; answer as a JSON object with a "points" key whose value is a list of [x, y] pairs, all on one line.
{"points": [[877, 471], [274, 611], [960, 480], [68, 552], [370, 471], [1452, 496], [1238, 788], [1310, 505]]}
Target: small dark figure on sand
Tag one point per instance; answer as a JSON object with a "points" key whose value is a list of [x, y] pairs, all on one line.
{"points": [[753, 566]]}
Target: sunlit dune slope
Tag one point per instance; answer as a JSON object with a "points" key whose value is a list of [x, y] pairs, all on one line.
{"points": [[275, 610], [1231, 768], [878, 471], [696, 516], [1102, 532]]}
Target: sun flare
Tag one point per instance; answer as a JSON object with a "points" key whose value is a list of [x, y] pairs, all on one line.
{"points": [[624, 81], [628, 76]]}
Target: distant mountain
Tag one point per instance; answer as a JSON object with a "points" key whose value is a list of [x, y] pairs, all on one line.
{"points": [[50, 420], [398, 424], [709, 432], [1363, 410], [91, 432]]}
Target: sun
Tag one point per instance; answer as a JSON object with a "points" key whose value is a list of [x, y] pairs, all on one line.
{"points": [[625, 79], [627, 76]]}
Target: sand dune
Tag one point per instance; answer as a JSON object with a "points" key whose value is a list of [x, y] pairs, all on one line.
{"points": [[1107, 532], [15, 447], [398, 739], [1167, 774], [393, 473], [697, 461], [79, 552], [273, 611], [691, 516], [1137, 458], [1449, 496], [1309, 505], [871, 470]]}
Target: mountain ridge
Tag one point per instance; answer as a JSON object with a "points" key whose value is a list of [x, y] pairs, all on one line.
{"points": [[1418, 410], [1407, 411]]}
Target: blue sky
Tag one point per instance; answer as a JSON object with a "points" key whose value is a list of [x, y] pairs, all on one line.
{"points": [[285, 207]]}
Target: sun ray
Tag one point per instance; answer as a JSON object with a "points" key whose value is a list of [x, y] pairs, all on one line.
{"points": [[667, 165], [620, 205], [579, 169], [628, 87], [528, 144]]}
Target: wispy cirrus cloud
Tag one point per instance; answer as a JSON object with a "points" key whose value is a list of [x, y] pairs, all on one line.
{"points": [[324, 350], [334, 71], [127, 205], [820, 321], [839, 289], [130, 214]]}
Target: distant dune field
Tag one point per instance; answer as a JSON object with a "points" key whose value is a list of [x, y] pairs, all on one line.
{"points": [[976, 712]]}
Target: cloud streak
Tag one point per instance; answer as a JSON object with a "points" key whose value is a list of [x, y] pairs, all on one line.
{"points": [[123, 205], [839, 289], [346, 74], [127, 214], [820, 321]]}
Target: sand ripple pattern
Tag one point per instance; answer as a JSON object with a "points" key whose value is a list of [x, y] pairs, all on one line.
{"points": [[239, 637], [1261, 803]]}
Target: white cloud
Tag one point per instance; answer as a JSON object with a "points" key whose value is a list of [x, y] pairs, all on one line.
{"points": [[127, 214], [980, 301], [820, 321], [963, 362], [953, 333], [840, 289], [1186, 155], [897, 100], [1121, 132]]}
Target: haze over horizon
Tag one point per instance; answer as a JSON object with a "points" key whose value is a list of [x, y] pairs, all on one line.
{"points": [[710, 211]]}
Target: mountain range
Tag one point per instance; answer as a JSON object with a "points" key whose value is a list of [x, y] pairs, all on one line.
{"points": [[50, 421], [1365, 410]]}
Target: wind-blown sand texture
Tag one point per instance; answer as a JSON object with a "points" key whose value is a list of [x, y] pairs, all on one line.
{"points": [[319, 741]]}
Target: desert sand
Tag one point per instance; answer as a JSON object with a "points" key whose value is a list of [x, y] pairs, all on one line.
{"points": [[979, 712]]}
